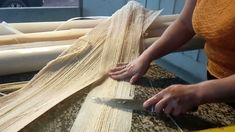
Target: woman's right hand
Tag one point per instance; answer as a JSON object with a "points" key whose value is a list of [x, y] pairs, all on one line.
{"points": [[133, 70]]}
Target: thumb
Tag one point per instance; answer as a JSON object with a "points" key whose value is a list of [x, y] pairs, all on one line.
{"points": [[134, 78]]}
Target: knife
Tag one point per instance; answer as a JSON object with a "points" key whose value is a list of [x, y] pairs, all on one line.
{"points": [[133, 104], [119, 103]]}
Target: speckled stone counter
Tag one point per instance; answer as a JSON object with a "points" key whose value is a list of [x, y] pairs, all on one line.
{"points": [[207, 116], [61, 117]]}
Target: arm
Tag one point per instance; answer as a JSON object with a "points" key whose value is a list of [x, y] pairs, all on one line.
{"points": [[218, 90], [174, 37]]}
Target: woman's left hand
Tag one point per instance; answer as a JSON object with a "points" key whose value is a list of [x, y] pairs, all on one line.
{"points": [[175, 99]]}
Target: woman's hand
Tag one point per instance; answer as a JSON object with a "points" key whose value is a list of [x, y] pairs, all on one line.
{"points": [[175, 99], [133, 70]]}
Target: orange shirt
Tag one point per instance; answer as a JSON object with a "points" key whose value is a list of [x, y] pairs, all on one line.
{"points": [[214, 20]]}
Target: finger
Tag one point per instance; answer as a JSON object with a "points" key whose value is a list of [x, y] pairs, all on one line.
{"points": [[176, 111], [121, 64], [169, 109], [118, 68], [161, 105], [121, 71], [121, 76], [171, 105], [153, 100], [134, 78]]}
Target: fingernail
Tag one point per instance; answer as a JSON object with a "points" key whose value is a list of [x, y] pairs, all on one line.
{"points": [[131, 82]]}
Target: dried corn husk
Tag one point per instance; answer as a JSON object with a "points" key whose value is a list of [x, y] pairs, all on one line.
{"points": [[84, 66]]}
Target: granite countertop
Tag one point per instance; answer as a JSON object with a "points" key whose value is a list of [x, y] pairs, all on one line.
{"points": [[62, 116]]}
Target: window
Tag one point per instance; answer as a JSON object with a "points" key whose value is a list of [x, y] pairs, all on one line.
{"points": [[38, 10]]}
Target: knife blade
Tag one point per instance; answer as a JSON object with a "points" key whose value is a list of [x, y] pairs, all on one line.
{"points": [[133, 104], [119, 103]]}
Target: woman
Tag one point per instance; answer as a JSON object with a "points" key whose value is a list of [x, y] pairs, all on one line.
{"points": [[214, 20]]}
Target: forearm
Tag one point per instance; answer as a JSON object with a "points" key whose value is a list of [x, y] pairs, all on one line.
{"points": [[174, 37], [218, 90]]}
